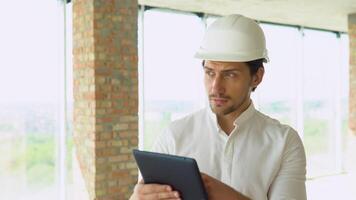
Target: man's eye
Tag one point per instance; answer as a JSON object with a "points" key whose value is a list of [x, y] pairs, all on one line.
{"points": [[209, 73], [230, 75]]}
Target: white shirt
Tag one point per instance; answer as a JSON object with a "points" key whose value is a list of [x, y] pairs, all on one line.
{"points": [[261, 158]]}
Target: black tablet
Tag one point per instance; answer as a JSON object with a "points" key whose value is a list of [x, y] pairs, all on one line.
{"points": [[181, 173]]}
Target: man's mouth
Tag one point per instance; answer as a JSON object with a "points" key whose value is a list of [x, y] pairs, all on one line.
{"points": [[218, 101]]}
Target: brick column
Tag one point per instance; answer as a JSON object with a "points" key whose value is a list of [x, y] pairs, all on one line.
{"points": [[352, 104], [105, 95], [350, 164]]}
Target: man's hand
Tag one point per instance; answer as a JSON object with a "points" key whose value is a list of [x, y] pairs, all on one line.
{"points": [[153, 192], [218, 190]]}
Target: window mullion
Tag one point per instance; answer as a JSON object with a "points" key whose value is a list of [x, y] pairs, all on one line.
{"points": [[299, 86]]}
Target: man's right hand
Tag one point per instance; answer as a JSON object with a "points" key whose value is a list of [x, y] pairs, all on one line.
{"points": [[144, 191]]}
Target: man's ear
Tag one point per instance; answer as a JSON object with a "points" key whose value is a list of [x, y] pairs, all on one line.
{"points": [[257, 78]]}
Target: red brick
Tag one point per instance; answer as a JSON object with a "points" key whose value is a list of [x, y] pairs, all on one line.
{"points": [[101, 98], [352, 97]]}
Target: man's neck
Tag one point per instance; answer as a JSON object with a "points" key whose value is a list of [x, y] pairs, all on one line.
{"points": [[226, 122]]}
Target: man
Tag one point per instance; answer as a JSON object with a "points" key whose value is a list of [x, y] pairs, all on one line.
{"points": [[242, 153]]}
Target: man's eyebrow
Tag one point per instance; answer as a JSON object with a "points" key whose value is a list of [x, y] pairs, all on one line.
{"points": [[207, 68], [231, 70], [226, 70]]}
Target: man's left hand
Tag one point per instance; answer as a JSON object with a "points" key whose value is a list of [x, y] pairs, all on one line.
{"points": [[218, 190]]}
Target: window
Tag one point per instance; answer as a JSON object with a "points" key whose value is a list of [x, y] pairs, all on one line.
{"points": [[305, 83], [321, 100], [32, 126], [305, 86], [172, 79], [277, 95]]}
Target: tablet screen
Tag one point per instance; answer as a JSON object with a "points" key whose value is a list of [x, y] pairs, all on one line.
{"points": [[181, 173]]}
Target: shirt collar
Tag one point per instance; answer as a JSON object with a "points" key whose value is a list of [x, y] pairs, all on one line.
{"points": [[213, 117], [247, 114]]}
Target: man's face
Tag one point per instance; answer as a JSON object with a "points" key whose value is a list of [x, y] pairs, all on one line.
{"points": [[229, 85]]}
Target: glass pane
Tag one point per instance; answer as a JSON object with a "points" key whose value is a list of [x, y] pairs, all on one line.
{"points": [[344, 88], [173, 79], [69, 184], [320, 78], [30, 82], [276, 96]]}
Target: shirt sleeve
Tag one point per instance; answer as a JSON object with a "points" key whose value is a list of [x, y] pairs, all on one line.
{"points": [[289, 183]]}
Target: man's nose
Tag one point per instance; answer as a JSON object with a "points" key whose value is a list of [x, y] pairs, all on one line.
{"points": [[217, 86]]}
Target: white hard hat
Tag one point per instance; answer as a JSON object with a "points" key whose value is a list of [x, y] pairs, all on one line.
{"points": [[233, 38]]}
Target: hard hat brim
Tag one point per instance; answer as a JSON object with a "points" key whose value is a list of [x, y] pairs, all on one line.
{"points": [[231, 57]]}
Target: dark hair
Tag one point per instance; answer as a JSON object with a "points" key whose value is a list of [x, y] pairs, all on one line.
{"points": [[253, 66]]}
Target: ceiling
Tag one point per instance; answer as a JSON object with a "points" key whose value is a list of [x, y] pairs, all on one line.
{"points": [[320, 14]]}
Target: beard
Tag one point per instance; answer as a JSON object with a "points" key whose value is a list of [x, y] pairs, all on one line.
{"points": [[226, 109]]}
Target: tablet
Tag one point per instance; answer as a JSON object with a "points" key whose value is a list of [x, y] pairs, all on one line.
{"points": [[181, 173]]}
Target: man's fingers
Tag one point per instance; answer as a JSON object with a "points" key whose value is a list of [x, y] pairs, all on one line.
{"points": [[162, 195], [152, 188]]}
